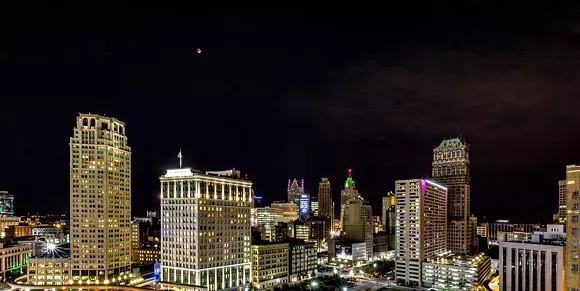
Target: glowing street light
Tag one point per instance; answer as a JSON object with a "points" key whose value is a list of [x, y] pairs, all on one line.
{"points": [[344, 289], [374, 265], [50, 246], [314, 284]]}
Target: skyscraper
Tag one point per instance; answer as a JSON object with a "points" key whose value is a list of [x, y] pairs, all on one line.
{"points": [[304, 206], [206, 233], [562, 193], [325, 206], [388, 217], [314, 206], [422, 223], [358, 224], [349, 193], [571, 271], [294, 191], [6, 204], [451, 169], [100, 200]]}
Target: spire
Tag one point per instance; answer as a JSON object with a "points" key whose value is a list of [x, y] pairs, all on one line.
{"points": [[180, 157], [349, 184]]}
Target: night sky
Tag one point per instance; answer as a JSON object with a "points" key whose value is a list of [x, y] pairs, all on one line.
{"points": [[282, 97]]}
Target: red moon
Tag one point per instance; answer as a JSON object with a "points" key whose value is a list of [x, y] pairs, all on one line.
{"points": [[198, 50]]}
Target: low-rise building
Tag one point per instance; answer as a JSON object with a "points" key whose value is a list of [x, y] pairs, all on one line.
{"points": [[455, 273], [6, 222], [380, 244], [49, 271], [13, 258], [145, 256], [537, 265], [302, 260], [269, 264], [18, 231], [347, 252]]}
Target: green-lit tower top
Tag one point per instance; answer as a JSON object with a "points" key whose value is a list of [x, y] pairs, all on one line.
{"points": [[349, 183]]}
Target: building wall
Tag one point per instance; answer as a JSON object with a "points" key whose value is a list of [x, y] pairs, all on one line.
{"points": [[325, 204], [145, 256], [206, 232], [289, 210], [526, 266], [358, 223], [452, 276], [303, 261], [270, 265], [562, 202], [50, 271], [421, 229], [100, 198], [451, 168], [572, 227]]}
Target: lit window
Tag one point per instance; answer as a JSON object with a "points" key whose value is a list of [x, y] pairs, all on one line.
{"points": [[574, 255], [574, 218], [574, 267]]}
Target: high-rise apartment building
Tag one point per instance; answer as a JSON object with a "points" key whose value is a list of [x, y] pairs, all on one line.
{"points": [[295, 191], [206, 233], [451, 169], [358, 224], [388, 215], [421, 228], [349, 193], [100, 200], [572, 274], [562, 194], [325, 205], [6, 204]]}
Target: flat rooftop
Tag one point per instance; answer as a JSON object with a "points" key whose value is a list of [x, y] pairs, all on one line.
{"points": [[451, 259]]}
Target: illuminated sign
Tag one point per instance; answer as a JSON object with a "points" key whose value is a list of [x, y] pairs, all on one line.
{"points": [[435, 184], [179, 173], [157, 271]]}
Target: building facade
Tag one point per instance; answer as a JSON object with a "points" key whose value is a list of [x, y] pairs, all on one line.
{"points": [[325, 205], [304, 206], [50, 271], [100, 199], [562, 202], [349, 193], [302, 260], [314, 207], [289, 210], [294, 191], [206, 232], [572, 227], [6, 204], [451, 168], [421, 228], [145, 256], [269, 265], [358, 224], [388, 215], [456, 273], [531, 266]]}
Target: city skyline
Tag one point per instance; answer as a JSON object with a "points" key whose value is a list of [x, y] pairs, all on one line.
{"points": [[311, 100]]}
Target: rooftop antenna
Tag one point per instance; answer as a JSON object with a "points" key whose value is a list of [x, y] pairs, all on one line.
{"points": [[180, 156]]}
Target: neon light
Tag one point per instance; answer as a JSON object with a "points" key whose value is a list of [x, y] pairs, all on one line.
{"points": [[435, 184], [179, 173], [423, 185]]}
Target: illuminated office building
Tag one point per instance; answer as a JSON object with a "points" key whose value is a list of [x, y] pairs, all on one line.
{"points": [[562, 193], [451, 169], [314, 207], [388, 215], [358, 224], [421, 227], [206, 232], [100, 200], [571, 271], [304, 208], [289, 210], [294, 191], [6, 204]]}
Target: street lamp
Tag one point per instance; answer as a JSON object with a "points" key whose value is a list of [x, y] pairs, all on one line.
{"points": [[374, 265], [314, 284]]}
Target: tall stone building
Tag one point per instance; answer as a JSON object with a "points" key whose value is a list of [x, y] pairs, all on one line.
{"points": [[295, 191], [572, 274], [325, 206], [206, 232], [358, 223], [100, 200], [562, 194], [451, 169], [349, 193], [388, 216]]}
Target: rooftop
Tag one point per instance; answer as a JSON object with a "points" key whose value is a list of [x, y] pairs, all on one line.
{"points": [[451, 142], [457, 260]]}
